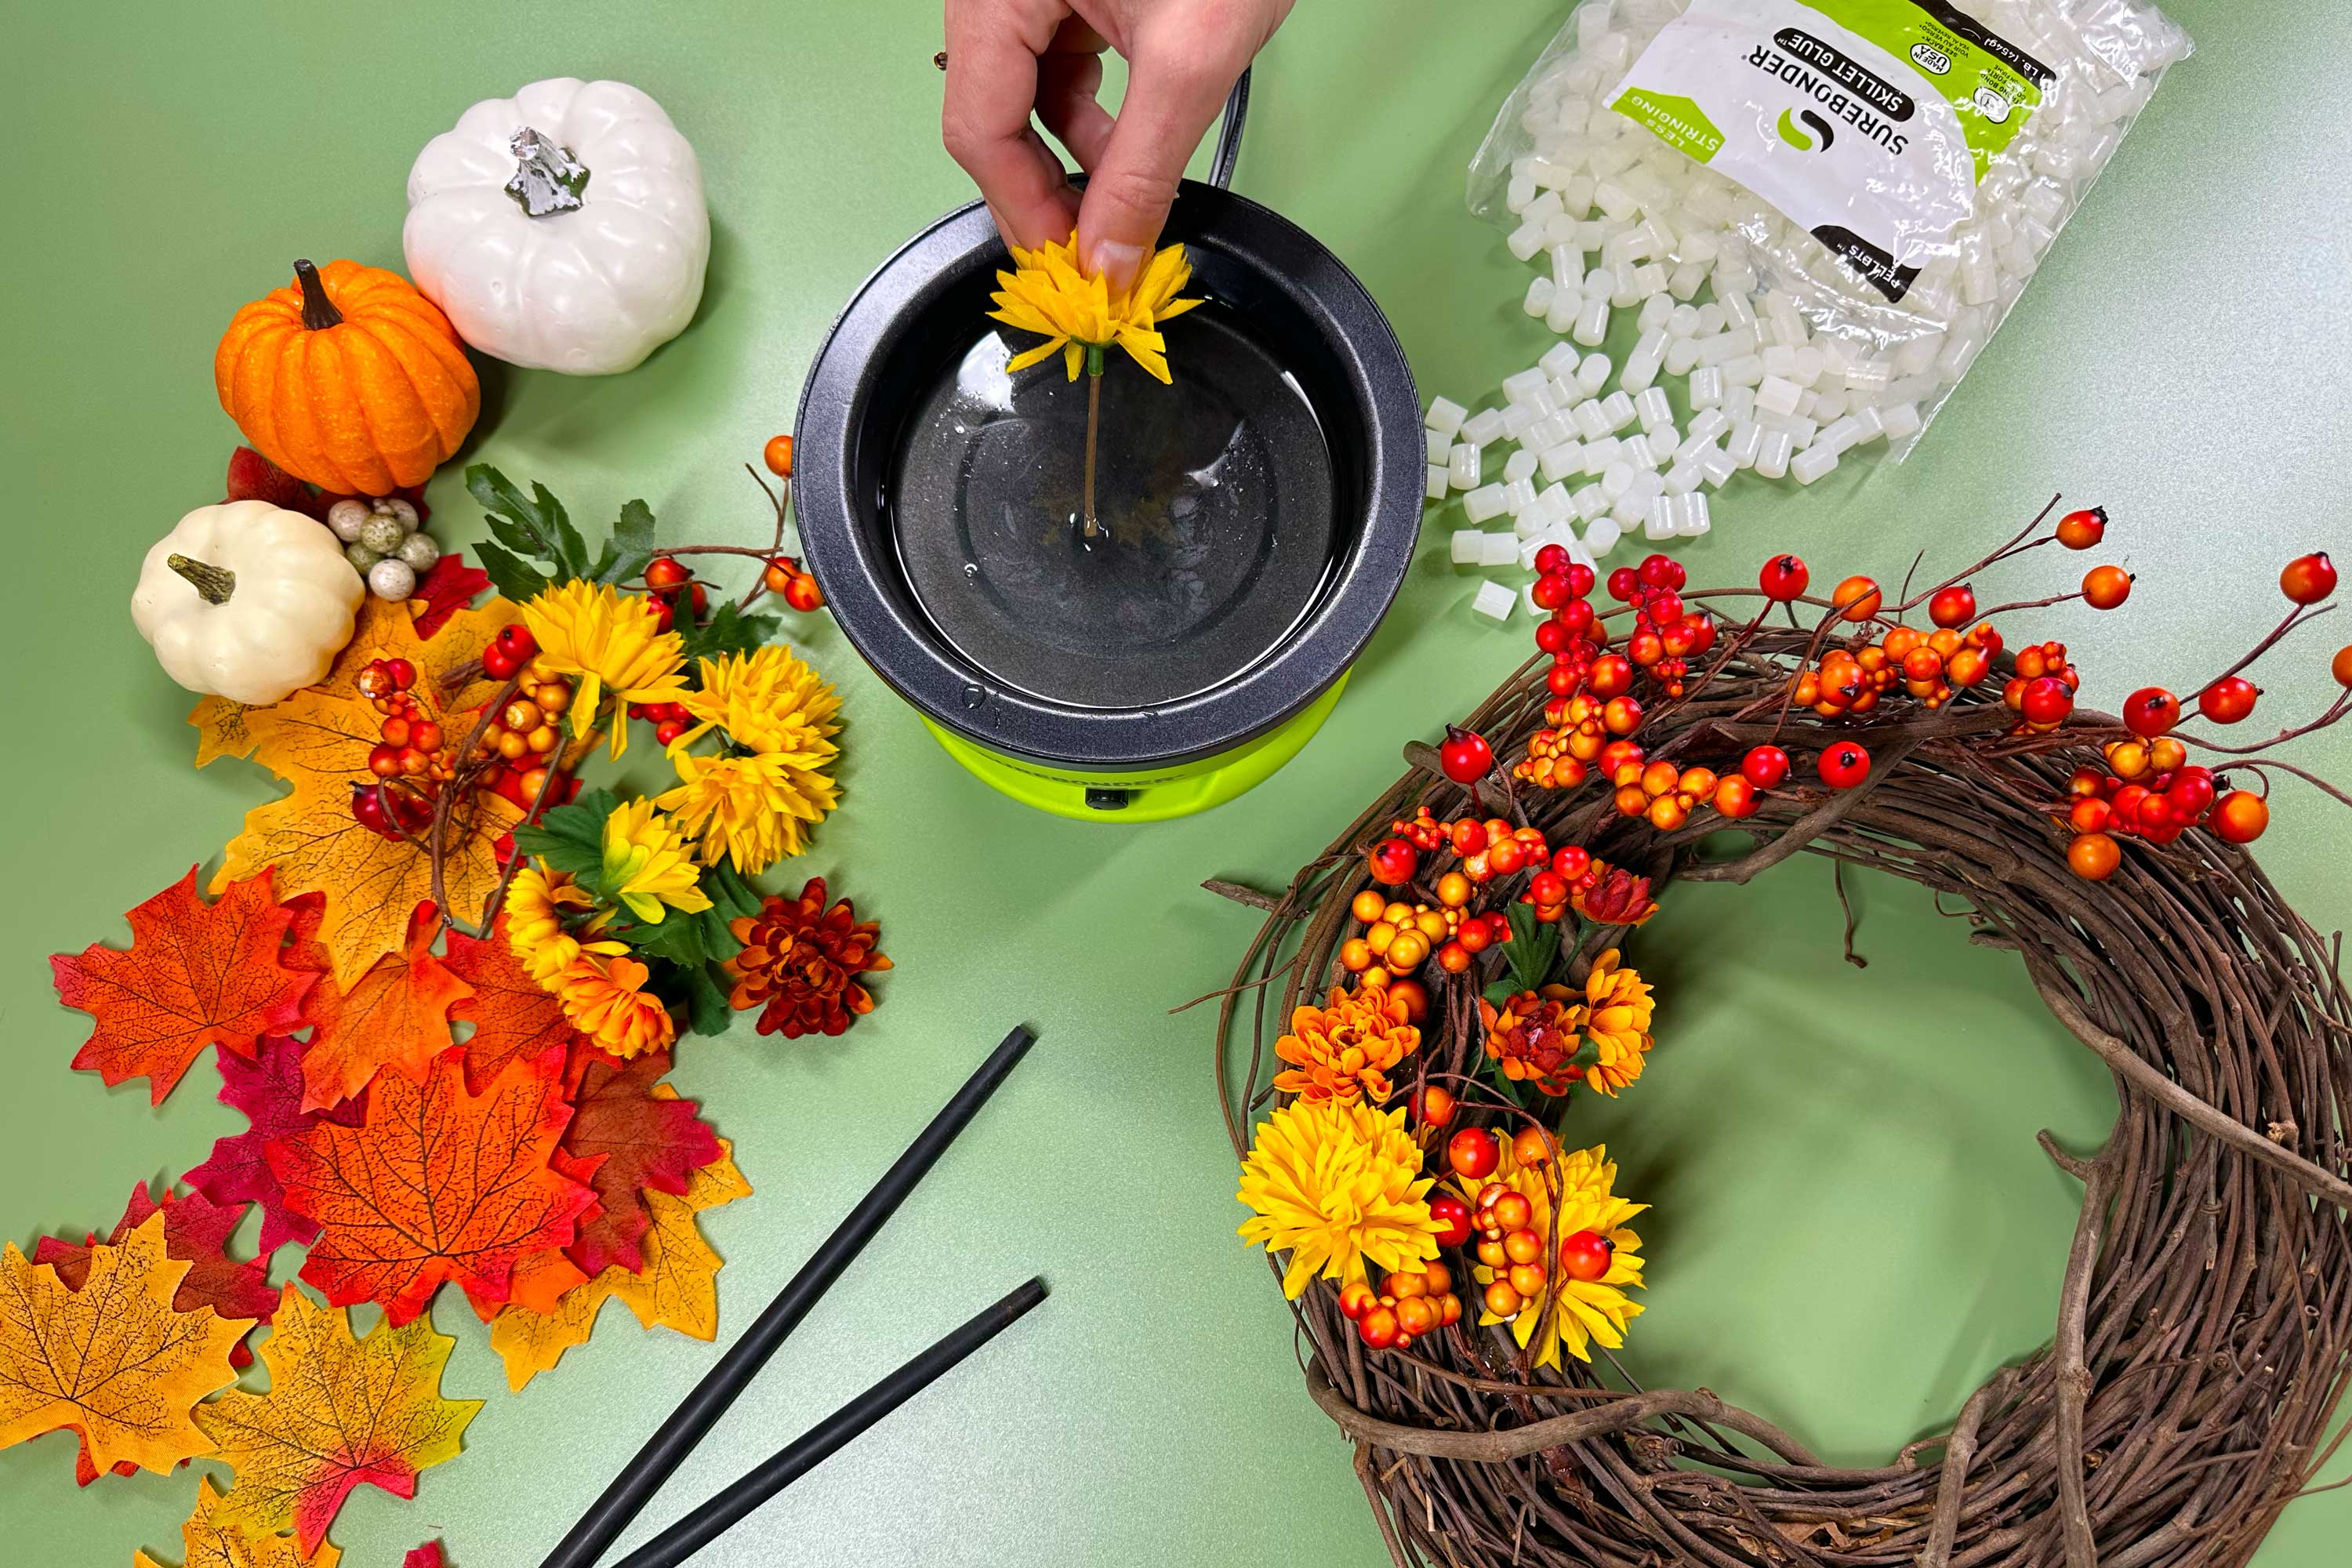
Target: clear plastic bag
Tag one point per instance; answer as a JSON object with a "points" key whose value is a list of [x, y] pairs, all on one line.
{"points": [[1561, 143]]}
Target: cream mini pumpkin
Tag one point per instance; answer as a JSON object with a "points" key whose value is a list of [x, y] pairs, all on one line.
{"points": [[247, 601], [563, 229]]}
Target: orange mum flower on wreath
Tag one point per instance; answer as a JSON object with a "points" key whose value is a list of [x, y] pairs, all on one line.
{"points": [[1345, 1048], [1617, 1012], [1534, 1036], [801, 962], [604, 998]]}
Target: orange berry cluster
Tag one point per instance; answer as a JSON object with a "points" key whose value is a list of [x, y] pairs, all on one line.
{"points": [[522, 736], [412, 742], [2042, 692], [1667, 794], [2152, 791], [1409, 1304], [1397, 936], [1508, 1245]]}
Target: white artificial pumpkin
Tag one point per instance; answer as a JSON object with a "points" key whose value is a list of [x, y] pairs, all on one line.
{"points": [[247, 601], [563, 229]]}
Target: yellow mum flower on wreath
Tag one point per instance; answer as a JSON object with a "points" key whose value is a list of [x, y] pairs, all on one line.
{"points": [[1339, 1187], [752, 809], [1346, 1046], [608, 640], [767, 700], [1077, 314], [647, 867], [1617, 1012], [1571, 1314], [533, 916]]}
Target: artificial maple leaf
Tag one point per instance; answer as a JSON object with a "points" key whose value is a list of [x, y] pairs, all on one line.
{"points": [[426, 1556], [396, 1016], [514, 1018], [339, 1412], [436, 1183], [213, 1543], [318, 740], [678, 1288], [114, 1359], [196, 1232], [652, 1142], [443, 591], [195, 974], [268, 1090]]}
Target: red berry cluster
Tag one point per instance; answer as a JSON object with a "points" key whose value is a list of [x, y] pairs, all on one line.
{"points": [[671, 584], [783, 577], [1668, 634], [2042, 692], [408, 760], [512, 648], [669, 720]]}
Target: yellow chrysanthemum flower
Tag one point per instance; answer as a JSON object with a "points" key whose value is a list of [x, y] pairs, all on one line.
{"points": [[1618, 1008], [604, 998], [767, 700], [1572, 1314], [752, 809], [1334, 1185], [533, 913], [647, 865], [607, 639], [1079, 315]]}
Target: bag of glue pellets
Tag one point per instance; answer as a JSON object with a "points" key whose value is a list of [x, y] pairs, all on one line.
{"points": [[1822, 209]]}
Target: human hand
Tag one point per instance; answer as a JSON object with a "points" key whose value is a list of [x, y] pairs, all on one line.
{"points": [[1008, 59]]}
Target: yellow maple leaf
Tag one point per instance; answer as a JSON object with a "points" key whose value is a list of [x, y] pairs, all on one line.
{"points": [[113, 1358], [339, 1412], [677, 1290], [213, 1543], [318, 740]]}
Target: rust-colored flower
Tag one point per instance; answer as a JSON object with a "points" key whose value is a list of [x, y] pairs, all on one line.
{"points": [[1535, 1036], [1345, 1048], [801, 962], [1613, 895]]}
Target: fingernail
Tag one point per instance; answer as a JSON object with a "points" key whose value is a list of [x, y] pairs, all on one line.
{"points": [[1120, 265]]}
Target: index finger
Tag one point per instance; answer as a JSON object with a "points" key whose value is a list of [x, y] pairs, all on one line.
{"points": [[984, 122]]}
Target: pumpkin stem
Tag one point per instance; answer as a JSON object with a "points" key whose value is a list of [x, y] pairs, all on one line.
{"points": [[318, 312], [215, 583], [547, 179]]}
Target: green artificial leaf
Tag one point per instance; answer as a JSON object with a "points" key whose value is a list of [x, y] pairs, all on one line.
{"points": [[534, 525], [631, 546], [730, 895], [571, 838], [1533, 949], [517, 582], [677, 937], [729, 631], [708, 994]]}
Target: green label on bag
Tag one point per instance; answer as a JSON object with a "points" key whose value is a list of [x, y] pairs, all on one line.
{"points": [[1992, 85], [1676, 120]]}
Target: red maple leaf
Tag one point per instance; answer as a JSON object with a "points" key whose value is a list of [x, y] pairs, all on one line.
{"points": [[513, 1017], [434, 1184], [268, 1090], [196, 1232], [397, 1016], [426, 1556], [447, 589], [195, 974], [647, 1144]]}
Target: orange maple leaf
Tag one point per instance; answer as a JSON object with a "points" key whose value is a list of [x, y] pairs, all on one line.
{"points": [[396, 1016], [649, 1140], [318, 740], [195, 974], [434, 1184], [339, 1413], [678, 1288], [513, 1015], [113, 1359], [213, 1543]]}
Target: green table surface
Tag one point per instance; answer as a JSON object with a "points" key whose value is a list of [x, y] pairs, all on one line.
{"points": [[1852, 1225]]}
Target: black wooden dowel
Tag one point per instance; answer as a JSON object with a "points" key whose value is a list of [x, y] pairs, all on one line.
{"points": [[609, 1514], [812, 1448]]}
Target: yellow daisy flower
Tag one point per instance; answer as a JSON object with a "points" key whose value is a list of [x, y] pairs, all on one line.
{"points": [[1338, 1186], [646, 864], [1618, 1009], [1570, 1314], [533, 917], [1077, 314], [767, 700], [753, 809], [607, 639]]}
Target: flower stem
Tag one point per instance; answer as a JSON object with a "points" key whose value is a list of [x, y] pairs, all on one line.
{"points": [[1094, 419]]}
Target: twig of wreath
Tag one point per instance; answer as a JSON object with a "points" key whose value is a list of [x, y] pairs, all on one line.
{"points": [[2202, 1333]]}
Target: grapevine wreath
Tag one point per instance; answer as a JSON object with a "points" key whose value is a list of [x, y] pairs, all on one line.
{"points": [[1436, 983]]}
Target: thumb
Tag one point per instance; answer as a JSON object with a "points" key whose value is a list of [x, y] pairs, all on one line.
{"points": [[1168, 107]]}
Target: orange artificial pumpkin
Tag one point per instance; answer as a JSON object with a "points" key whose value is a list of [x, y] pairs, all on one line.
{"points": [[350, 379]]}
